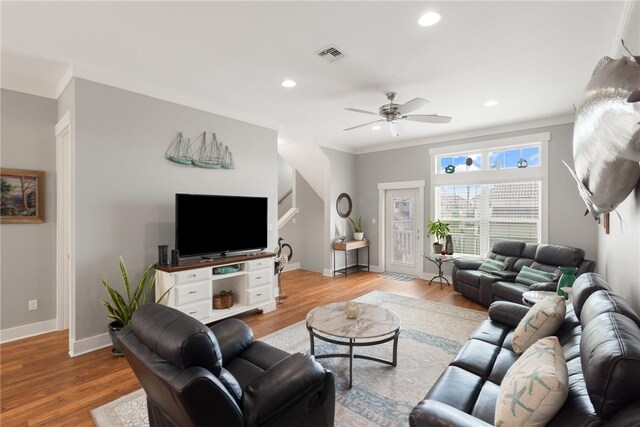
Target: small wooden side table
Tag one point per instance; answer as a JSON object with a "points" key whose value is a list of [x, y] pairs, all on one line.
{"points": [[347, 246]]}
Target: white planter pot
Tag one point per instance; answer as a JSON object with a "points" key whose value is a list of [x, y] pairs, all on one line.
{"points": [[358, 236]]}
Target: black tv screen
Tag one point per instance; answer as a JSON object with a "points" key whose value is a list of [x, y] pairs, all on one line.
{"points": [[214, 225]]}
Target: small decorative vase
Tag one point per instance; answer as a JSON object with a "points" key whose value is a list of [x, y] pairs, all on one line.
{"points": [[114, 328], [449, 245], [358, 236], [566, 280], [437, 248]]}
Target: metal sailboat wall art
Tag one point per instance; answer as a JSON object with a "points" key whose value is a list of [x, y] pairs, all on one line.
{"points": [[202, 153], [179, 151]]}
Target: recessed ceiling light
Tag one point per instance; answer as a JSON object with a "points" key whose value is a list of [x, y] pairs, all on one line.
{"points": [[429, 19], [491, 103], [376, 127], [288, 83]]}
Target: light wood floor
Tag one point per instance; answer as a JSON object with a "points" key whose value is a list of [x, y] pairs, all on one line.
{"points": [[41, 385]]}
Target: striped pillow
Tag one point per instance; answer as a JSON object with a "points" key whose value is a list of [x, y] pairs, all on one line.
{"points": [[528, 276], [490, 265]]}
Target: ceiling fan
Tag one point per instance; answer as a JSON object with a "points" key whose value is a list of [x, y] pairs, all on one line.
{"points": [[392, 113]]}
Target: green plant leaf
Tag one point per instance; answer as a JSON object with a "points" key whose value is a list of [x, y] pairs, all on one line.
{"points": [[125, 279]]}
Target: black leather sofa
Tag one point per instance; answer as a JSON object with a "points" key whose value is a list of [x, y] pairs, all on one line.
{"points": [[199, 376], [486, 288], [600, 338]]}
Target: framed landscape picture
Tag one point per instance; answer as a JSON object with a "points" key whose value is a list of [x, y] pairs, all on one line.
{"points": [[22, 196]]}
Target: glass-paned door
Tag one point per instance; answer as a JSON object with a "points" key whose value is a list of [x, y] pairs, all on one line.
{"points": [[402, 232]]}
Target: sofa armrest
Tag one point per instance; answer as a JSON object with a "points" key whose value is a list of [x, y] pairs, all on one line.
{"points": [[506, 275], [544, 286], [468, 263], [296, 378], [507, 313], [434, 413]]}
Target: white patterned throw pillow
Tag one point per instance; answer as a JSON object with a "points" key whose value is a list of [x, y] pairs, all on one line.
{"points": [[543, 319], [535, 386], [528, 276], [490, 265]]}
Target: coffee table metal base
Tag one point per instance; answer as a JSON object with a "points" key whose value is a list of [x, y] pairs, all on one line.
{"points": [[351, 343]]}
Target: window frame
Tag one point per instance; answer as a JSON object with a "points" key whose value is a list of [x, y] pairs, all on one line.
{"points": [[494, 176]]}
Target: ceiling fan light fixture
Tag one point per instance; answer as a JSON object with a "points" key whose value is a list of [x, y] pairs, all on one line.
{"points": [[429, 19], [376, 127], [491, 103], [288, 83]]}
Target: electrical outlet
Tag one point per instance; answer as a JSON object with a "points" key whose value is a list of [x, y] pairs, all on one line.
{"points": [[270, 226], [294, 220], [373, 221], [33, 304]]}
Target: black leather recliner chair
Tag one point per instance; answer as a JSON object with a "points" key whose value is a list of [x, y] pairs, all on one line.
{"points": [[199, 376]]}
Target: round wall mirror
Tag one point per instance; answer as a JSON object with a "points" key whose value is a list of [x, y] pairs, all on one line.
{"points": [[343, 205]]}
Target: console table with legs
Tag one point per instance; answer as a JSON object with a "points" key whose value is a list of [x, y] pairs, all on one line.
{"points": [[347, 246]]}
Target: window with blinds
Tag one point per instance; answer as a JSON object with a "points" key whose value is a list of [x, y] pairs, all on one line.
{"points": [[480, 213]]}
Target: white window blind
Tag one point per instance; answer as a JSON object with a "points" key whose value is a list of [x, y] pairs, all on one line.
{"points": [[480, 213]]}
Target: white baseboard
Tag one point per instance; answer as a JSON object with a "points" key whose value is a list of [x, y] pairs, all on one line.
{"points": [[292, 266], [87, 345], [327, 272], [26, 331]]}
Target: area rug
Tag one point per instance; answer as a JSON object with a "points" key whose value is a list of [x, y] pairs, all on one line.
{"points": [[431, 334], [396, 276]]}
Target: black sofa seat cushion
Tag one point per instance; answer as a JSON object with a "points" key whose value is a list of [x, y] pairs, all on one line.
{"points": [[457, 388], [477, 356], [509, 291]]}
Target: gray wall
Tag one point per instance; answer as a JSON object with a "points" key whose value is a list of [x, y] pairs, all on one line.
{"points": [[342, 179], [125, 188], [567, 225], [28, 269], [619, 252], [310, 221]]}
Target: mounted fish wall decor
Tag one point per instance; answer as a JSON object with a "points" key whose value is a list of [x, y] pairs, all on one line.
{"points": [[208, 154], [606, 135]]}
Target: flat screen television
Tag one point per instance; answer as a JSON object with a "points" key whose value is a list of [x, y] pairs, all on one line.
{"points": [[212, 225]]}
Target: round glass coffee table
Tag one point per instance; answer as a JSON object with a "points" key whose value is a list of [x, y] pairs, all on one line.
{"points": [[373, 325]]}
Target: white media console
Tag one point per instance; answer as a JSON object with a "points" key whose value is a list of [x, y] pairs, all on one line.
{"points": [[193, 285]]}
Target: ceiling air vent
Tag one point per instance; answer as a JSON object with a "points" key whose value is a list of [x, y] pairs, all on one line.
{"points": [[330, 53]]}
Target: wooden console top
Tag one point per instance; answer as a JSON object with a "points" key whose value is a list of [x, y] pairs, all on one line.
{"points": [[196, 263]]}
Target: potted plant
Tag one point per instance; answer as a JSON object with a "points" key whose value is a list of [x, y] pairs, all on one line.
{"points": [[358, 234], [121, 309], [440, 230]]}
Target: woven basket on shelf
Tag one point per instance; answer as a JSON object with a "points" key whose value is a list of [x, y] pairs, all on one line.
{"points": [[223, 300]]}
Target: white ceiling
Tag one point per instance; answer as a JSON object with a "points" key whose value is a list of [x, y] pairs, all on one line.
{"points": [[229, 57]]}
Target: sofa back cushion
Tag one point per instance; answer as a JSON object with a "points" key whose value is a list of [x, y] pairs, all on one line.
{"points": [[557, 255], [606, 302], [610, 356], [584, 286], [507, 251], [507, 247], [177, 337]]}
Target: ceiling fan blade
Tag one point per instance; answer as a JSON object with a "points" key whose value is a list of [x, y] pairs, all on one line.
{"points": [[414, 104], [428, 118], [355, 110], [395, 128], [366, 124]]}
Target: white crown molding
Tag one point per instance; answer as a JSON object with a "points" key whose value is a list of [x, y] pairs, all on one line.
{"points": [[514, 127], [30, 87], [26, 331], [66, 79]]}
